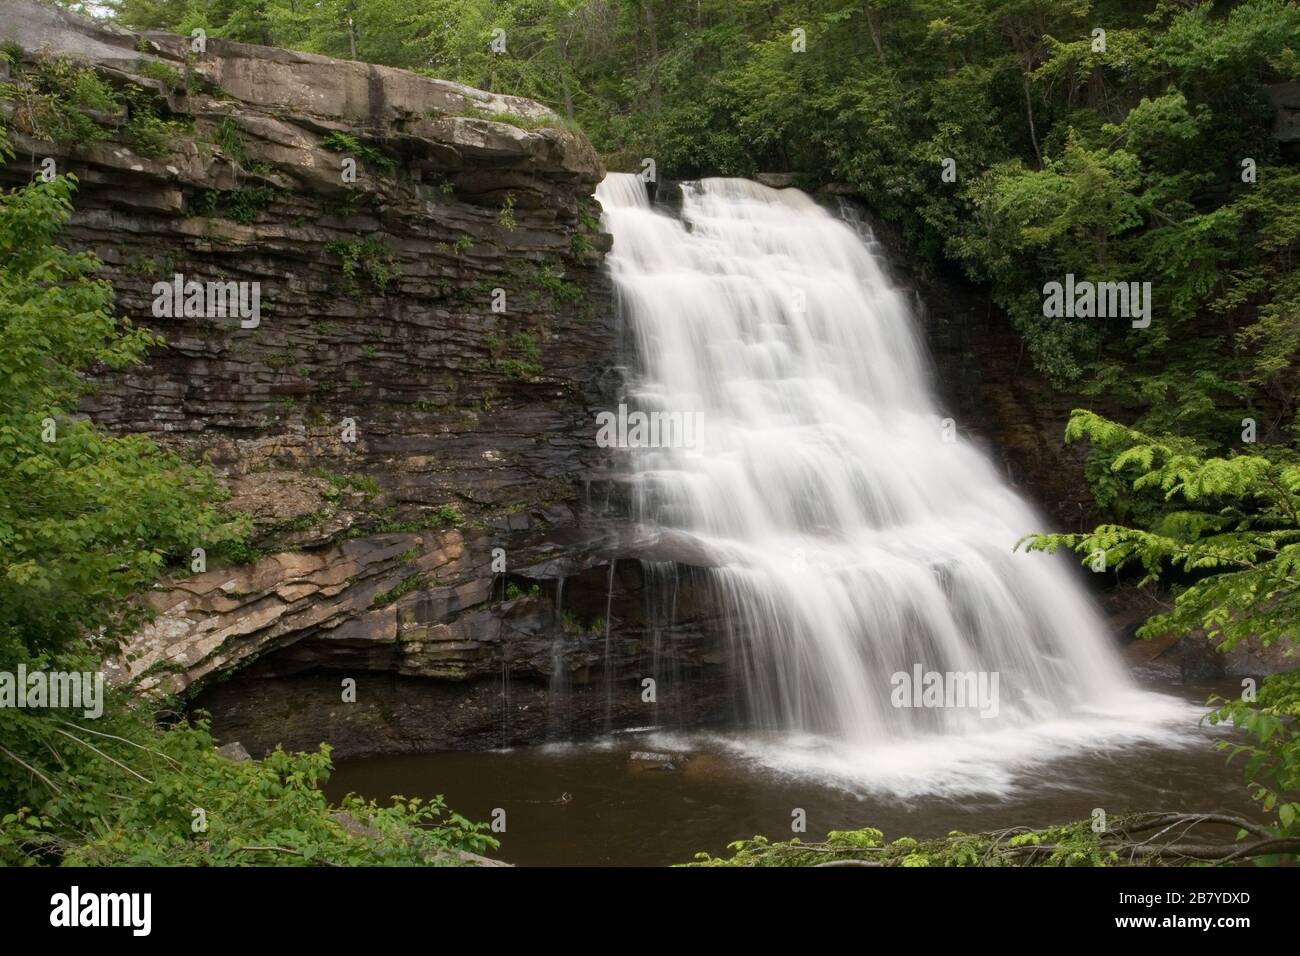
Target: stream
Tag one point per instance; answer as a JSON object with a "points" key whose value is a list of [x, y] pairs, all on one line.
{"points": [[628, 805]]}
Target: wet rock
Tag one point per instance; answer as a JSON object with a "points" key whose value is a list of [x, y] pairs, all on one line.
{"points": [[234, 751], [398, 714], [666, 193], [1196, 659], [643, 759]]}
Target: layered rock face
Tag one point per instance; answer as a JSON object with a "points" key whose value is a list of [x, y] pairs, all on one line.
{"points": [[409, 418]]}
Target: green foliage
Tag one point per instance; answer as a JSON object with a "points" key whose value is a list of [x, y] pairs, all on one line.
{"points": [[545, 280], [152, 267], [1073, 844], [231, 140], [241, 205], [519, 120], [239, 551], [55, 99], [345, 143], [85, 518], [1224, 533], [163, 72], [1114, 164], [51, 96], [369, 256], [124, 793], [1272, 755], [518, 358], [405, 586], [149, 135], [514, 592], [506, 216], [571, 623], [448, 514], [1230, 525], [444, 516], [12, 51], [557, 286], [341, 482], [580, 245]]}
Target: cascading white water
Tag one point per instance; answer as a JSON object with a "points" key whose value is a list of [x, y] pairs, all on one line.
{"points": [[854, 538]]}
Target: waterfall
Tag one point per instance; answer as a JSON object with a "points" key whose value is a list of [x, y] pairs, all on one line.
{"points": [[855, 536]]}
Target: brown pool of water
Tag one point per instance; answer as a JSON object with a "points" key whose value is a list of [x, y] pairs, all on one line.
{"points": [[630, 800]]}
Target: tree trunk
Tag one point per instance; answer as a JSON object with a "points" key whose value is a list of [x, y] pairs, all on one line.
{"points": [[1029, 111], [563, 48], [352, 30], [647, 6], [873, 24]]}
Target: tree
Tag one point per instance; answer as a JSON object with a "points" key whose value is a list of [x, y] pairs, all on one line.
{"points": [[86, 518]]}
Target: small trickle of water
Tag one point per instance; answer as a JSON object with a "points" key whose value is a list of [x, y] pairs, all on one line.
{"points": [[557, 728], [609, 670], [505, 702]]}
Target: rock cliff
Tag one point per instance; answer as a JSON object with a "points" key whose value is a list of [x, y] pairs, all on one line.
{"points": [[409, 421]]}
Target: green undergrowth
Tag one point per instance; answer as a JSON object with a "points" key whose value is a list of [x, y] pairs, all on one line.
{"points": [[124, 790], [61, 101], [517, 358], [1074, 844], [442, 518]]}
